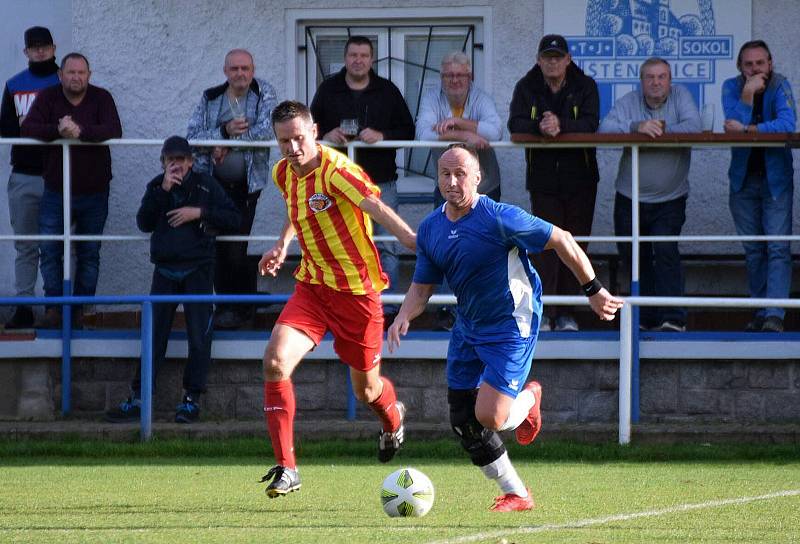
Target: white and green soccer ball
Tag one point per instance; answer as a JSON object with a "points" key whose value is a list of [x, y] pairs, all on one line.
{"points": [[407, 493]]}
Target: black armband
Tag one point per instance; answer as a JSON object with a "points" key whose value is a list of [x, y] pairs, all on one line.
{"points": [[592, 288]]}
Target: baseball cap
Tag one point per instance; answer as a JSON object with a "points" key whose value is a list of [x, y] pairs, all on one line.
{"points": [[176, 145], [553, 43], [38, 35]]}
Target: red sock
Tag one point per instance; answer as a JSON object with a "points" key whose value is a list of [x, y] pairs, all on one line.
{"points": [[386, 408], [279, 410]]}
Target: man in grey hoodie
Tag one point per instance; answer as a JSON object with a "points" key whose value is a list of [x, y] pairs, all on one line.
{"points": [[656, 108]]}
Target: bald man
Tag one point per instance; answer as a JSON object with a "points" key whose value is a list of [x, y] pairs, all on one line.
{"points": [[481, 248]]}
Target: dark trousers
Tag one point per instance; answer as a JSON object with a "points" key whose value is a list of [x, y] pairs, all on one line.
{"points": [[233, 274], [572, 212], [198, 328], [660, 270]]}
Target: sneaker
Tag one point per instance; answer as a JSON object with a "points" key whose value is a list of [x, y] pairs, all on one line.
{"points": [[284, 480], [671, 326], [188, 411], [22, 318], [546, 324], [390, 442], [445, 318], [755, 325], [513, 503], [527, 430], [50, 320], [566, 323], [772, 324], [227, 320], [127, 412]]}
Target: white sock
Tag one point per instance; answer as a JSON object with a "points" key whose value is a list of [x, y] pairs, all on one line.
{"points": [[520, 409], [502, 471]]}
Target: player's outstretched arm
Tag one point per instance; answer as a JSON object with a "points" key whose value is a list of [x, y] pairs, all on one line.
{"points": [[272, 260], [387, 217], [602, 302], [413, 305]]}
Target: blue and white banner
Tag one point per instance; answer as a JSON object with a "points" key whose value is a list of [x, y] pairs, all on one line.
{"points": [[609, 40]]}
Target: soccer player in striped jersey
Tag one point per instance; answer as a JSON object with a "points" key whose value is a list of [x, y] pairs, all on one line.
{"points": [[481, 247], [331, 204]]}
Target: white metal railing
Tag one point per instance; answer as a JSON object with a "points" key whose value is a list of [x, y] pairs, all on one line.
{"points": [[628, 325]]}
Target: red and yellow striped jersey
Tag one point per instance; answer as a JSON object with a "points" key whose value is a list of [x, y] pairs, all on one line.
{"points": [[335, 235]]}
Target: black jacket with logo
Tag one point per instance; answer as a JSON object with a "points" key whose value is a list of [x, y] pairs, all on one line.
{"points": [[577, 105], [191, 244], [380, 106]]}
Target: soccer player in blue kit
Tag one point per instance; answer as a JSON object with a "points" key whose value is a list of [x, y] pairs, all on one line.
{"points": [[481, 248]]}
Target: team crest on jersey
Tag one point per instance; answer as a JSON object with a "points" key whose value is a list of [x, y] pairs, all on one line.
{"points": [[319, 202], [453, 234]]}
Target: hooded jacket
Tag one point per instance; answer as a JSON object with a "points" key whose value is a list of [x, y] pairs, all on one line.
{"points": [[191, 244], [559, 170]]}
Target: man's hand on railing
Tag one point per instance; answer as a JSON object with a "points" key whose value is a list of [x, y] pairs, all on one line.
{"points": [[605, 305], [651, 127], [370, 136], [68, 128], [550, 125]]}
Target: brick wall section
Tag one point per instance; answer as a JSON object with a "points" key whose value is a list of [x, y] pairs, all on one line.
{"points": [[574, 391]]}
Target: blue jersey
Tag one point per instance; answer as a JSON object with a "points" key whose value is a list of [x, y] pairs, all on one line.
{"points": [[484, 257]]}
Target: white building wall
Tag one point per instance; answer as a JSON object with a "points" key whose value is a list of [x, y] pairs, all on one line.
{"points": [[156, 57]]}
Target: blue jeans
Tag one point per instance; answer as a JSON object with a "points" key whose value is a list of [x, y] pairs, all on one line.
{"points": [[769, 264], [661, 273], [388, 250], [89, 213]]}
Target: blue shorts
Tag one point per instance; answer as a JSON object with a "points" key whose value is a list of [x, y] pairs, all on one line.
{"points": [[503, 365]]}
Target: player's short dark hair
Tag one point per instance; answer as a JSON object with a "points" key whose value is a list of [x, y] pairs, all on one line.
{"points": [[752, 44], [358, 40], [291, 109], [466, 147], [74, 55]]}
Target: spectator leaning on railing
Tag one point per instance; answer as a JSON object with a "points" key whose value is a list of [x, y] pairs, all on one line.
{"points": [[76, 110], [656, 108], [762, 179], [25, 184], [556, 97], [239, 109], [458, 111]]}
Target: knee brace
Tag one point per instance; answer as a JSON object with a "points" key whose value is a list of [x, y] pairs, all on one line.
{"points": [[482, 445]]}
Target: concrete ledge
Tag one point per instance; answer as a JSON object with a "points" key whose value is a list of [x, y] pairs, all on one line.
{"points": [[339, 428]]}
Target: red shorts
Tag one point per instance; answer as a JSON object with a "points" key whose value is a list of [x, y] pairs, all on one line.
{"points": [[356, 321]]}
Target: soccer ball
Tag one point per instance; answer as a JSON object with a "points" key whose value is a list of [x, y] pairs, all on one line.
{"points": [[407, 493]]}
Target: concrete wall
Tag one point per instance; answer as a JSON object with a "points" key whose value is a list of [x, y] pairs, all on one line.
{"points": [[156, 58], [574, 392]]}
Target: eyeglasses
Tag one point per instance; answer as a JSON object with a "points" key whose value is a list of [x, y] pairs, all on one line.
{"points": [[450, 75]]}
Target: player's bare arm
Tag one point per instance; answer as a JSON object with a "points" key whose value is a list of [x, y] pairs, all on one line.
{"points": [[602, 302], [413, 305], [387, 217], [272, 260]]}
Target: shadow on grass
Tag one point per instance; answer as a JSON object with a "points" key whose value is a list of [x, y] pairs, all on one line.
{"points": [[248, 451]]}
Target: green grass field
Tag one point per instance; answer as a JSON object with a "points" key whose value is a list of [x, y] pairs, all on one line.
{"points": [[187, 492]]}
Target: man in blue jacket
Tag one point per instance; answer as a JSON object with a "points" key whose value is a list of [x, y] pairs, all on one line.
{"points": [[184, 210], [762, 179], [25, 184]]}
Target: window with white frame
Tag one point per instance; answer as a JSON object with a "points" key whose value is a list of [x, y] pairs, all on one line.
{"points": [[408, 51]]}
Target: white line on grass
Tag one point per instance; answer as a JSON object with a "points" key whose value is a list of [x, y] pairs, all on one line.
{"points": [[617, 517]]}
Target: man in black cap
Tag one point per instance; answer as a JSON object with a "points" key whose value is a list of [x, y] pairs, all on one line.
{"points": [[25, 184], [184, 210], [556, 97]]}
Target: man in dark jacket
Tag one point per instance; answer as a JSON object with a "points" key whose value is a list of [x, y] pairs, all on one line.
{"points": [[25, 184], [377, 111], [183, 209], [556, 97], [75, 110]]}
